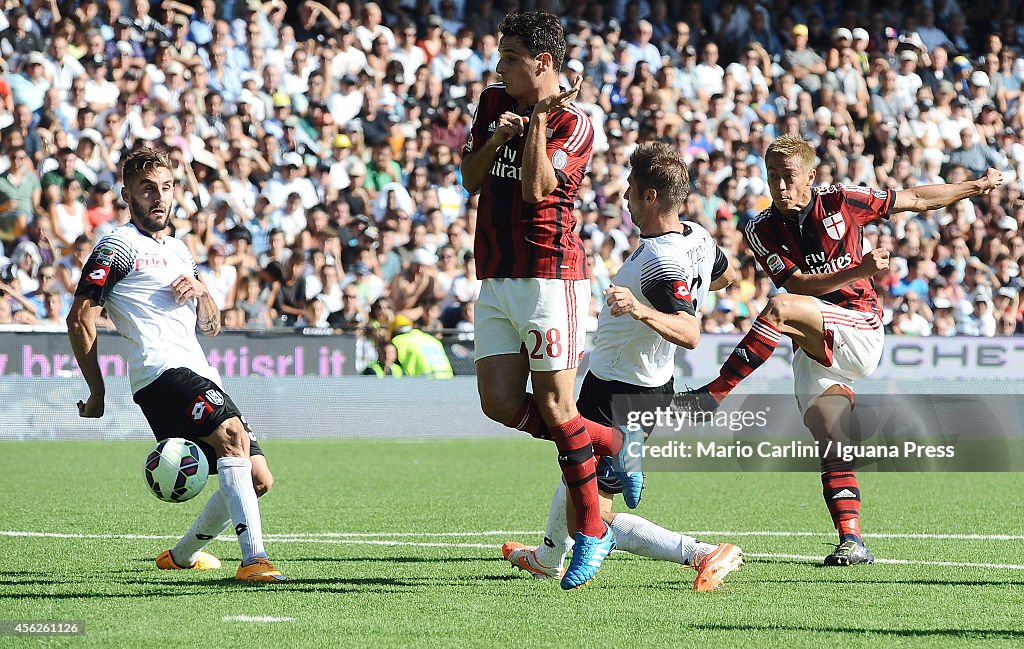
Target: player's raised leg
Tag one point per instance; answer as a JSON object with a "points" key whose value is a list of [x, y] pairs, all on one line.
{"points": [[796, 316], [211, 522], [230, 440]]}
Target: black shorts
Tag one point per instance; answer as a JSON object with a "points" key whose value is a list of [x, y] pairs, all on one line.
{"points": [[595, 404], [181, 403]]}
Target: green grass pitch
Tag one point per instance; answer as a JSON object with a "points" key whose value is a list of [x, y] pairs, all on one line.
{"points": [[412, 580]]}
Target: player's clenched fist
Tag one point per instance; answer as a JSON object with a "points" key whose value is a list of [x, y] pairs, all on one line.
{"points": [[874, 261], [622, 301], [993, 178], [185, 288], [509, 126]]}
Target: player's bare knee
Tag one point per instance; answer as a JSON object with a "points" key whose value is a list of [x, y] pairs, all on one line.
{"points": [[231, 438], [555, 408], [262, 482], [777, 309], [826, 415], [499, 410]]}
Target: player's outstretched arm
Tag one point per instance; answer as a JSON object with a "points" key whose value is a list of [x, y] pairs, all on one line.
{"points": [[82, 333], [933, 197], [680, 328], [823, 283]]}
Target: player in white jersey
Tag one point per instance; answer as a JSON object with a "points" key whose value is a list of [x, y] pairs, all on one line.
{"points": [[660, 286], [149, 284]]}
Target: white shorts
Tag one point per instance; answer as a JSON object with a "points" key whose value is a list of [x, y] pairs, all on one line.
{"points": [[853, 348], [545, 317]]}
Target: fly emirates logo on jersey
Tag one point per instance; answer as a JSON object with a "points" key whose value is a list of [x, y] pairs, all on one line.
{"points": [[818, 262], [505, 164]]}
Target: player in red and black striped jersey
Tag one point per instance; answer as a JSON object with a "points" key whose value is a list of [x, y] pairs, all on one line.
{"points": [[527, 153], [810, 242], [516, 237]]}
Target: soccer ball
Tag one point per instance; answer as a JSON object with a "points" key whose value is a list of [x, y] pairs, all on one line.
{"points": [[176, 470]]}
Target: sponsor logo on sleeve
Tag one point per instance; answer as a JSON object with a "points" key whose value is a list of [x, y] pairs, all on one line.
{"points": [[105, 256], [98, 275], [214, 397], [880, 194], [200, 410], [680, 290], [775, 264]]}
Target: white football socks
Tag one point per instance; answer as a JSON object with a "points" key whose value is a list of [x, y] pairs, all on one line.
{"points": [[213, 520], [556, 534], [642, 537], [240, 496]]}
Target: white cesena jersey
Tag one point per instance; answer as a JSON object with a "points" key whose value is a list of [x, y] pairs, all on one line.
{"points": [[130, 273], [671, 273]]}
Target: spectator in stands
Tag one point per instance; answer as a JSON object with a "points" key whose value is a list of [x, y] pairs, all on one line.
{"points": [[419, 353], [351, 316], [20, 185], [386, 364]]}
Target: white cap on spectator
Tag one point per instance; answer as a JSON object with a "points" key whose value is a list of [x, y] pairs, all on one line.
{"points": [[908, 55], [575, 66], [292, 159], [942, 303], [979, 79], [423, 257], [175, 68], [823, 114], [356, 167], [1007, 223], [861, 34], [36, 58], [842, 33]]}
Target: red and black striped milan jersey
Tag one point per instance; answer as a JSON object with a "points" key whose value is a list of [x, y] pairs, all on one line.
{"points": [[515, 238], [830, 239]]}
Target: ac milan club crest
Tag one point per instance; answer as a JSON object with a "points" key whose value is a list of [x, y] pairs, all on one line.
{"points": [[835, 226]]}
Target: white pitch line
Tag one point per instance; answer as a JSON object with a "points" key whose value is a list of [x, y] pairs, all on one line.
{"points": [[874, 535], [255, 618], [491, 546], [900, 562], [501, 533], [377, 535], [362, 541]]}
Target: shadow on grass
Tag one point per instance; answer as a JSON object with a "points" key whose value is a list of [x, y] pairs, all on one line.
{"points": [[176, 591], [1008, 634]]}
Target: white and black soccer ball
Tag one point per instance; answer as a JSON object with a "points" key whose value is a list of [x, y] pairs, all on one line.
{"points": [[176, 470]]}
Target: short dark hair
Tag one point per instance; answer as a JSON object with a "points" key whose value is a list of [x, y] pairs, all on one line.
{"points": [[142, 161], [539, 32], [654, 165]]}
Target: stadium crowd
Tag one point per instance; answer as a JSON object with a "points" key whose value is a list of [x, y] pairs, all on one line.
{"points": [[317, 145]]}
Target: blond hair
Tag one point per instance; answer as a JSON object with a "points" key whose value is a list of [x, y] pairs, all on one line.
{"points": [[789, 146]]}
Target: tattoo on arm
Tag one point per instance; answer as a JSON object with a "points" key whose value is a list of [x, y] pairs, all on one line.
{"points": [[211, 324]]}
